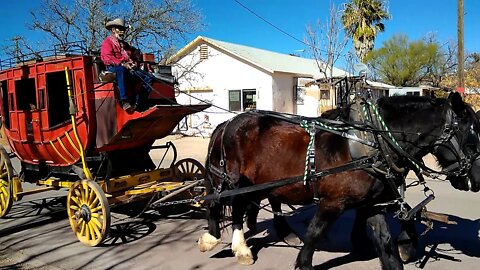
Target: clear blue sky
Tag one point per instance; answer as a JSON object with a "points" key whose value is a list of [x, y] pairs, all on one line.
{"points": [[228, 21]]}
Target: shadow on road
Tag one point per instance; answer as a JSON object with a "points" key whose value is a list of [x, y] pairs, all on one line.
{"points": [[464, 238]]}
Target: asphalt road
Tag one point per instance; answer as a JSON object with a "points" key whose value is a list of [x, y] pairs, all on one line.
{"points": [[37, 235]]}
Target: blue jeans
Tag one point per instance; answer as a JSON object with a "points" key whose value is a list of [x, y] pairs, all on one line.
{"points": [[125, 76], [147, 79], [122, 75]]}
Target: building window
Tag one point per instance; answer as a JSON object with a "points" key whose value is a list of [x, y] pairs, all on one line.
{"points": [[300, 95], [413, 93], [203, 52], [242, 100], [324, 94]]}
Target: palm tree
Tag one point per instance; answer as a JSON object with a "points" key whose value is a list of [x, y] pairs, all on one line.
{"points": [[362, 20]]}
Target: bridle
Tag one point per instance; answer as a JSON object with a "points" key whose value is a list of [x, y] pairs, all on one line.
{"points": [[449, 140]]}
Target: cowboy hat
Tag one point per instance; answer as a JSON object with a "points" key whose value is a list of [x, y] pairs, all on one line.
{"points": [[119, 23]]}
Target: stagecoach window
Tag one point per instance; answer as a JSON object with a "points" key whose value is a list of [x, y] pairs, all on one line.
{"points": [[57, 98], [242, 100], [25, 93], [5, 103]]}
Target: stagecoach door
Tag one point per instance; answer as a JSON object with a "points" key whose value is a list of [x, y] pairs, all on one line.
{"points": [[26, 106]]}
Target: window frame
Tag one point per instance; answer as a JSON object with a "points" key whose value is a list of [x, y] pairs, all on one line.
{"points": [[242, 99]]}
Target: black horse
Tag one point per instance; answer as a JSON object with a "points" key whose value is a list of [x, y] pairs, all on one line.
{"points": [[256, 148]]}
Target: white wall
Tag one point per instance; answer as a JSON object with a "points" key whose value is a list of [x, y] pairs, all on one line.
{"points": [[403, 91], [310, 103], [221, 72], [282, 89]]}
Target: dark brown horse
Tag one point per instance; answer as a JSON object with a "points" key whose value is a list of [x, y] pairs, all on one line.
{"points": [[256, 148]]}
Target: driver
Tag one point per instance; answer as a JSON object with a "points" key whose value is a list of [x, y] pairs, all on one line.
{"points": [[120, 58]]}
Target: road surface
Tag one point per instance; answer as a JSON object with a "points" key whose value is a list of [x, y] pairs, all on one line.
{"points": [[37, 235]]}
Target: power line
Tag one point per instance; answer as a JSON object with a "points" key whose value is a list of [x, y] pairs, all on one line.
{"points": [[281, 30], [271, 24]]}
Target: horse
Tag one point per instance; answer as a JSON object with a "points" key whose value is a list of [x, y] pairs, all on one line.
{"points": [[257, 148], [407, 238]]}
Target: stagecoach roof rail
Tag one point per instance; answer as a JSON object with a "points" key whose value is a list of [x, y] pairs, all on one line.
{"points": [[57, 51]]}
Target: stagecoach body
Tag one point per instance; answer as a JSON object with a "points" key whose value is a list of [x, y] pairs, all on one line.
{"points": [[37, 120], [62, 120]]}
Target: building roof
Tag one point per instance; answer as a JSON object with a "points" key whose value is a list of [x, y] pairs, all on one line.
{"points": [[267, 60]]}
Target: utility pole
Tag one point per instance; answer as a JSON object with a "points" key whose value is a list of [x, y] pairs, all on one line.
{"points": [[460, 55], [16, 39]]}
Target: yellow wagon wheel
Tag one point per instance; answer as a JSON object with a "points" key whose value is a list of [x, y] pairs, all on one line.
{"points": [[189, 169], [6, 186], [88, 212]]}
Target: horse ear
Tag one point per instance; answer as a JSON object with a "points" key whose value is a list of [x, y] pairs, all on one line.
{"points": [[458, 105]]}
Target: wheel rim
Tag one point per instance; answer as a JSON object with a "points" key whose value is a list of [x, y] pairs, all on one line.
{"points": [[88, 212], [6, 170], [189, 169]]}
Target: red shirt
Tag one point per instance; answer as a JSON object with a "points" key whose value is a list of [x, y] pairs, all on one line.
{"points": [[113, 51]]}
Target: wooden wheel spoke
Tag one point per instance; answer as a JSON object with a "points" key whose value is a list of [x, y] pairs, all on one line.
{"points": [[97, 215], [76, 201], [74, 207], [96, 209], [96, 223], [83, 226], [86, 195], [80, 224], [94, 203], [91, 197], [3, 190], [87, 232], [4, 174], [82, 194], [4, 202], [77, 193], [91, 229], [184, 169]]}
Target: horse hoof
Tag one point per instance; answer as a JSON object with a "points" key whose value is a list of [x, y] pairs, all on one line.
{"points": [[406, 253], [244, 255], [292, 240], [207, 242]]}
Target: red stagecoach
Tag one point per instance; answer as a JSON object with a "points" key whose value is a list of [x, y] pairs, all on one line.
{"points": [[62, 120]]}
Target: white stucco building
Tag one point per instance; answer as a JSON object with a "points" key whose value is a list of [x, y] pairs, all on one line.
{"points": [[238, 78]]}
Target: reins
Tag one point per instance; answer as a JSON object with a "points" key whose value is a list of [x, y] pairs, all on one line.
{"points": [[384, 142]]}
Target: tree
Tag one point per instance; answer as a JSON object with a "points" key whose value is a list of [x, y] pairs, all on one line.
{"points": [[472, 74], [326, 42], [154, 25], [403, 63], [362, 20]]}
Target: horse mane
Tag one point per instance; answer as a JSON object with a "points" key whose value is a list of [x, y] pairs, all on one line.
{"points": [[403, 105]]}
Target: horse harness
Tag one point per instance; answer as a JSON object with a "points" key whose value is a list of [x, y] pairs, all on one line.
{"points": [[375, 157]]}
